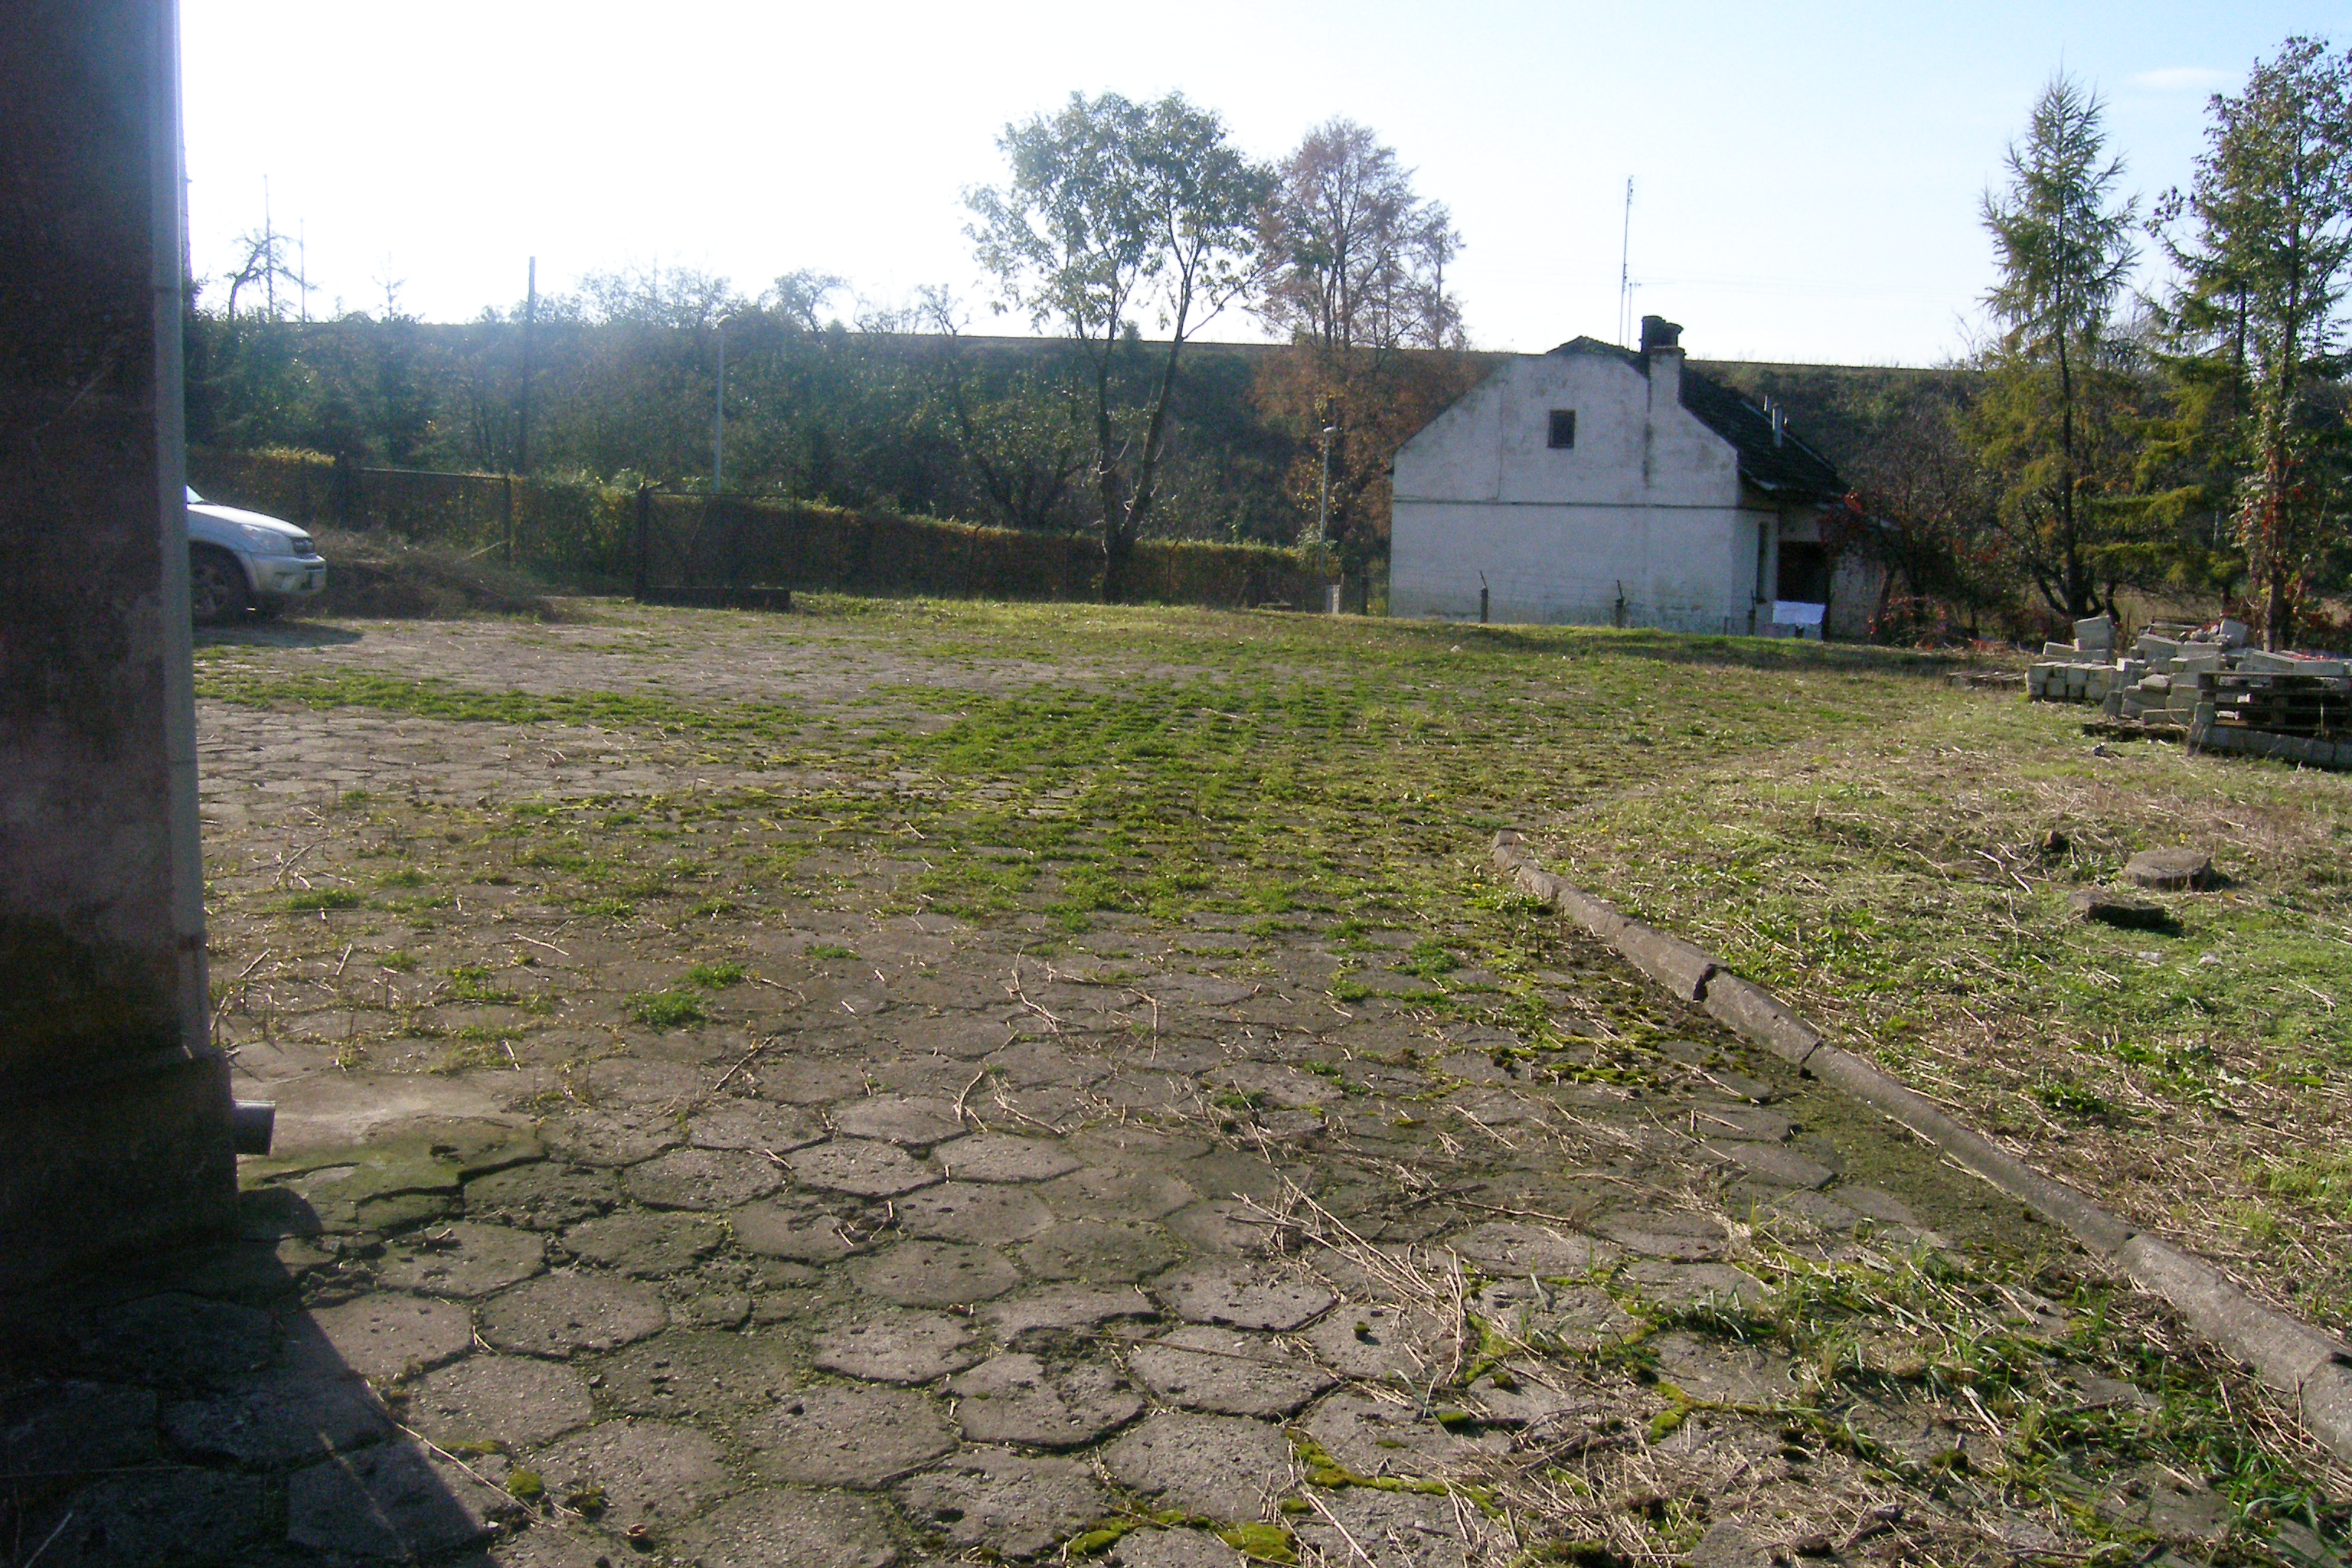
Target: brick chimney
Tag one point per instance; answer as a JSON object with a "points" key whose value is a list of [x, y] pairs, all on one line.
{"points": [[1662, 347]]}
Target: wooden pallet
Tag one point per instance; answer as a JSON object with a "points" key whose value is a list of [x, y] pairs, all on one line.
{"points": [[2284, 703]]}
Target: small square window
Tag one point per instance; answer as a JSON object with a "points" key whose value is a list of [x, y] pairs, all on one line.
{"points": [[1564, 427]]}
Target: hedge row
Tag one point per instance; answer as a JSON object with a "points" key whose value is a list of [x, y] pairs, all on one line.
{"points": [[586, 531]]}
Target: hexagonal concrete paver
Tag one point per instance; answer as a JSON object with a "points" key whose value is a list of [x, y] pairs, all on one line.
{"points": [[900, 1347], [383, 1335], [520, 1401], [461, 1258], [973, 1210], [778, 1527], [561, 1315], [754, 1125], [912, 1122], [934, 1274], [857, 1436], [1672, 1235], [1226, 1466], [702, 1178], [697, 1375], [1004, 1503], [1100, 1251], [1004, 1157], [1016, 1398], [786, 1230], [644, 1473], [861, 1167], [645, 1246], [618, 1136], [1242, 1295], [1233, 1373], [1069, 1307], [1552, 1252]]}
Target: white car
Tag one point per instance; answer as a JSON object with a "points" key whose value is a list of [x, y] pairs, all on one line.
{"points": [[240, 561]]}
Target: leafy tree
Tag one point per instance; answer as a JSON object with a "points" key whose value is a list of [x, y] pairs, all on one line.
{"points": [[2053, 420], [2263, 269], [1113, 210]]}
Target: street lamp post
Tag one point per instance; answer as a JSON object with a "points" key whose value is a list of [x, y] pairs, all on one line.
{"points": [[1323, 495]]}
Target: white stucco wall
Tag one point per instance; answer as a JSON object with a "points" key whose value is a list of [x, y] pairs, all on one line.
{"points": [[1646, 504]]}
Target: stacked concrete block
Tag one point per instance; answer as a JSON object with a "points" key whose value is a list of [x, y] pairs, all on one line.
{"points": [[2077, 671], [2194, 679]]}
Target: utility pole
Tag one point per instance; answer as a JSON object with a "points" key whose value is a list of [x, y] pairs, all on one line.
{"points": [[302, 250], [268, 249], [719, 420], [530, 317], [1625, 272]]}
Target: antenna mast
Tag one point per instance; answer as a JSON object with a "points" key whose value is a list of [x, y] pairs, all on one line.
{"points": [[1624, 274]]}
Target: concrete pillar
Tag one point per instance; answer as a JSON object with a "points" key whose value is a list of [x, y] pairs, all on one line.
{"points": [[114, 1104]]}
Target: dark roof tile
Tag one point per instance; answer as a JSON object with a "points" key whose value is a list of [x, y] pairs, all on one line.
{"points": [[1790, 469]]}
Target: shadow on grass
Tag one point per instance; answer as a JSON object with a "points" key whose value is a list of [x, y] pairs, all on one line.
{"points": [[1692, 648], [258, 633]]}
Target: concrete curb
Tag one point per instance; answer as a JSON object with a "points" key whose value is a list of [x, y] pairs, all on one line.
{"points": [[2304, 1362]]}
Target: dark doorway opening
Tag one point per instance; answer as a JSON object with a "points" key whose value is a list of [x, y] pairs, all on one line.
{"points": [[1804, 574]]}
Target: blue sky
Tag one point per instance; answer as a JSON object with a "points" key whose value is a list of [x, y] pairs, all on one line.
{"points": [[1806, 177]]}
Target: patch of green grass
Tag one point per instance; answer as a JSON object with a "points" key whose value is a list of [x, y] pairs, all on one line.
{"points": [[436, 699], [668, 1009], [829, 950], [715, 976], [312, 899]]}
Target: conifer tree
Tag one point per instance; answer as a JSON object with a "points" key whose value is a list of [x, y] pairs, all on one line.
{"points": [[2263, 269], [2052, 422]]}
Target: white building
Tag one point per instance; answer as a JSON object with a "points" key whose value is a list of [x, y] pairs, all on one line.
{"points": [[1596, 486]]}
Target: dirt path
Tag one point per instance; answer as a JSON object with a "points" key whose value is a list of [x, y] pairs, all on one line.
{"points": [[662, 1176]]}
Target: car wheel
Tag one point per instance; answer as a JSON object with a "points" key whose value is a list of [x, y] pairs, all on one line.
{"points": [[216, 585]]}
